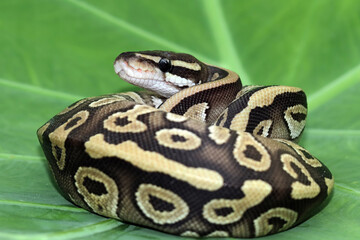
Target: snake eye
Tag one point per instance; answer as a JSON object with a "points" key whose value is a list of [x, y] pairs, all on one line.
{"points": [[164, 64]]}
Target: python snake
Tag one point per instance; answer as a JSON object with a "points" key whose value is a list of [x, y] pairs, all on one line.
{"points": [[196, 155]]}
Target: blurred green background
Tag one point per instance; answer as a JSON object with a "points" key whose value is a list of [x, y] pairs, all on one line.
{"points": [[55, 52]]}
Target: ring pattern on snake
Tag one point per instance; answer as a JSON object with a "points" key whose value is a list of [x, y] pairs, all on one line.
{"points": [[196, 154]]}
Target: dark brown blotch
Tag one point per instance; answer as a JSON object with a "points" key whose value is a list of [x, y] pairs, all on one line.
{"points": [[122, 121], [306, 154], [178, 138], [298, 116], [72, 123], [252, 152], [95, 187], [58, 153], [223, 212], [161, 205]]}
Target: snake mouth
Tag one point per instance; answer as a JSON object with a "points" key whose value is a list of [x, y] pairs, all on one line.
{"points": [[133, 69], [145, 74]]}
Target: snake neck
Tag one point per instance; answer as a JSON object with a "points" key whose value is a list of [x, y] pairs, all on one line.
{"points": [[207, 101], [215, 73]]}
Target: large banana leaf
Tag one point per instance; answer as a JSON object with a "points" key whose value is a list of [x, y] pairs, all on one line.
{"points": [[55, 52]]}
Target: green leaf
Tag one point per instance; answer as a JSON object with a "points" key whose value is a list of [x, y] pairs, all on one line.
{"points": [[55, 52]]}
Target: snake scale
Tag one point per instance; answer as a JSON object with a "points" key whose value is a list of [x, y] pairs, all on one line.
{"points": [[196, 154]]}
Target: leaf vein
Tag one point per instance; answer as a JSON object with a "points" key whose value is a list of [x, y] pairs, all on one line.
{"points": [[347, 188], [8, 156], [85, 231], [38, 90], [333, 132], [334, 88], [42, 205]]}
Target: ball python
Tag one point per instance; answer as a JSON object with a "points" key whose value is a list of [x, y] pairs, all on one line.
{"points": [[195, 154]]}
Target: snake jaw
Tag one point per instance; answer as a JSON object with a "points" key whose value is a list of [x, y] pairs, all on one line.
{"points": [[145, 75], [140, 70], [178, 81]]}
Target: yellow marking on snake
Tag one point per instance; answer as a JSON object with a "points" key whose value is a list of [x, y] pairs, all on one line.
{"points": [[245, 90], [295, 126], [188, 141], [215, 76], [152, 58], [190, 234], [218, 233], [265, 126], [301, 151], [134, 96], [245, 141], [219, 135], [129, 151], [175, 117], [68, 109], [255, 192], [131, 115], [299, 190], [192, 66], [41, 131], [224, 117], [105, 101], [59, 136], [264, 227], [105, 203], [330, 184], [197, 111], [180, 208]]}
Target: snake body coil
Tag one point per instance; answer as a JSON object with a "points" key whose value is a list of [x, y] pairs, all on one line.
{"points": [[203, 156]]}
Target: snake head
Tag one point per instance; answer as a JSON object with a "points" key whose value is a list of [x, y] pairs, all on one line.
{"points": [[163, 72]]}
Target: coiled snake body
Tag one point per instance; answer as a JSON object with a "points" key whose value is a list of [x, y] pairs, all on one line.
{"points": [[203, 156]]}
